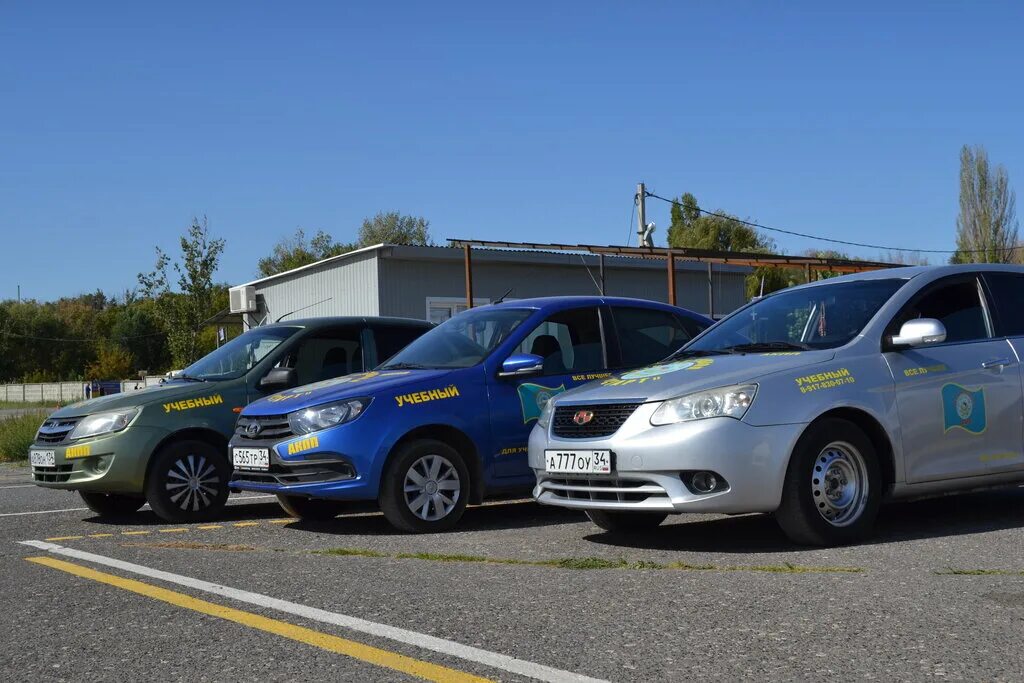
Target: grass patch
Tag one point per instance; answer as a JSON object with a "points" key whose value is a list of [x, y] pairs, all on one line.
{"points": [[589, 563], [952, 571], [351, 552], [31, 404], [17, 434]]}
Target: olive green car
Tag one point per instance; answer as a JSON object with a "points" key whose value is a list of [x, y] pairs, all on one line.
{"points": [[167, 444]]}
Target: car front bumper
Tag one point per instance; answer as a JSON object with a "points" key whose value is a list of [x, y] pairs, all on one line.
{"points": [[652, 465], [115, 463]]}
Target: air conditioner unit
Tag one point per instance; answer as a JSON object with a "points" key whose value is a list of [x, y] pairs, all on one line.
{"points": [[242, 299]]}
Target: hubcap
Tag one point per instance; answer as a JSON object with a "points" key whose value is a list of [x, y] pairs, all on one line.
{"points": [[191, 483], [839, 484], [432, 487]]}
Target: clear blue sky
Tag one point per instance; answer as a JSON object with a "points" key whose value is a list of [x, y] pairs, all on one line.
{"points": [[528, 121]]}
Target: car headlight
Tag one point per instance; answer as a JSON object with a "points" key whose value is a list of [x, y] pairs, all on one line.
{"points": [[545, 414], [103, 423], [722, 402], [325, 416]]}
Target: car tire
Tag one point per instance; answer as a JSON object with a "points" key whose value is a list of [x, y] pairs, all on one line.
{"points": [[313, 509], [833, 486], [112, 504], [425, 487], [626, 521], [188, 482]]}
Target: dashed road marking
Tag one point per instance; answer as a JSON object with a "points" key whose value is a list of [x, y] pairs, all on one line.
{"points": [[208, 527], [179, 530], [246, 524], [64, 538], [135, 533], [100, 535], [442, 646], [366, 653]]}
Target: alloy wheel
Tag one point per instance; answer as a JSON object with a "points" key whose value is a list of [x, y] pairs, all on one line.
{"points": [[191, 483]]}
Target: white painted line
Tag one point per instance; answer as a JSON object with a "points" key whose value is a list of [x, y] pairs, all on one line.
{"points": [[451, 648], [40, 512], [18, 486]]}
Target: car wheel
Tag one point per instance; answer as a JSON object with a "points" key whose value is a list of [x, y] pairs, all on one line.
{"points": [[625, 521], [833, 486], [188, 482], [317, 509], [425, 487], [112, 504]]}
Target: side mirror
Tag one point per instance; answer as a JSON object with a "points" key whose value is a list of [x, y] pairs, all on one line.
{"points": [[920, 332], [278, 379], [520, 364]]}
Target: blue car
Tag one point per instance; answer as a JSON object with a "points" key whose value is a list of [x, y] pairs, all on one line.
{"points": [[445, 421]]}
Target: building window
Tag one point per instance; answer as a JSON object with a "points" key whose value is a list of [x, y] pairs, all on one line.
{"points": [[440, 308]]}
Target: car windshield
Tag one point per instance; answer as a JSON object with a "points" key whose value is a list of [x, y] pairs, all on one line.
{"points": [[825, 316], [238, 356], [461, 341]]}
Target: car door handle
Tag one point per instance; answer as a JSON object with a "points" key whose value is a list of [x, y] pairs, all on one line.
{"points": [[996, 363]]}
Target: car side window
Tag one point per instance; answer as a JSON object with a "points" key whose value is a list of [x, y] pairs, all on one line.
{"points": [[391, 340], [1007, 297], [957, 306], [327, 354], [646, 335], [568, 341]]}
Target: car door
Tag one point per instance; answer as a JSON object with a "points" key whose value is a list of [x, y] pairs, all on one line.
{"points": [[644, 336], [1006, 290], [572, 344], [326, 353], [959, 401]]}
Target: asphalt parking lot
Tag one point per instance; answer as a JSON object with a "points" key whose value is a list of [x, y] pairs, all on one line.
{"points": [[519, 592]]}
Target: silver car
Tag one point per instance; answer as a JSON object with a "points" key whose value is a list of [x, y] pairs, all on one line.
{"points": [[816, 403]]}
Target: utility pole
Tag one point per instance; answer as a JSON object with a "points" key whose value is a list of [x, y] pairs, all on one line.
{"points": [[641, 214]]}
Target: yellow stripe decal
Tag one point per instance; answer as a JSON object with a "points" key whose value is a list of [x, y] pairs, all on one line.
{"points": [[324, 641]]}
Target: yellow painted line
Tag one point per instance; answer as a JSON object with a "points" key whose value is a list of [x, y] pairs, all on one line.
{"points": [[65, 538], [134, 533], [286, 520], [206, 527], [246, 524], [100, 535], [324, 641], [173, 531]]}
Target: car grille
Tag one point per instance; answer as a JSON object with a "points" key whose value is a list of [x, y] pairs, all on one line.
{"points": [[56, 475], [607, 419], [299, 474], [56, 430], [605, 490], [271, 427]]}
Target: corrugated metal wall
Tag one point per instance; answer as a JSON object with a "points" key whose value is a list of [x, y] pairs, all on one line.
{"points": [[350, 284], [406, 284]]}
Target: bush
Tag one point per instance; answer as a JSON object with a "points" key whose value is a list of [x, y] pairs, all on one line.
{"points": [[16, 435]]}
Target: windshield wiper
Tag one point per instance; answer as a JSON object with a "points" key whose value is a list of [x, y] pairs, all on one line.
{"points": [[189, 378], [404, 366], [685, 353], [754, 347]]}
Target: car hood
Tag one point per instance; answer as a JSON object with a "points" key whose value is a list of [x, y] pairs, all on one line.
{"points": [[678, 377], [357, 385], [134, 399]]}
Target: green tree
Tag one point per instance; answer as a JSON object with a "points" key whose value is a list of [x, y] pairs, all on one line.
{"points": [[183, 312], [112, 362], [986, 228], [394, 228], [296, 251]]}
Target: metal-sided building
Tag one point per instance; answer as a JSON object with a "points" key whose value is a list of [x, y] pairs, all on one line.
{"points": [[430, 282]]}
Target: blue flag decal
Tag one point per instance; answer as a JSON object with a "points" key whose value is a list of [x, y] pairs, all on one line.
{"points": [[534, 396], [963, 408]]}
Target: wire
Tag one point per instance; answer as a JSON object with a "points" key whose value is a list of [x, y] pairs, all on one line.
{"points": [[632, 212], [835, 241]]}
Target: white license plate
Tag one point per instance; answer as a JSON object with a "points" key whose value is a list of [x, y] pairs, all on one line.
{"points": [[251, 458], [42, 458], [578, 462]]}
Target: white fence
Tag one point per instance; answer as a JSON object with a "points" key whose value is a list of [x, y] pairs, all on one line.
{"points": [[63, 392]]}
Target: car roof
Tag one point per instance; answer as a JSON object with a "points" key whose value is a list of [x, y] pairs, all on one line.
{"points": [[330, 321], [560, 302], [909, 272]]}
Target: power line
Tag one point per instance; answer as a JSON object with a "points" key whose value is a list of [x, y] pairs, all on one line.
{"points": [[632, 212], [832, 240]]}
